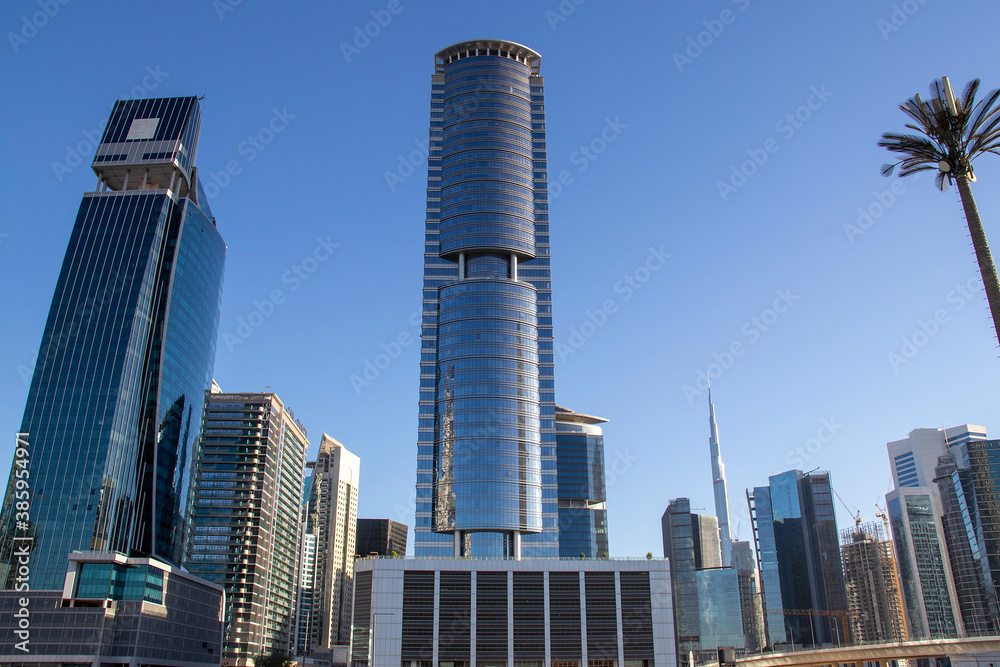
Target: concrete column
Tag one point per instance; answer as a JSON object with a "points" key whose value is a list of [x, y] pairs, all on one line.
{"points": [[145, 179], [618, 618], [125, 183], [458, 545], [548, 626], [461, 266], [583, 619], [517, 545], [437, 617], [472, 621], [513, 266], [510, 618]]}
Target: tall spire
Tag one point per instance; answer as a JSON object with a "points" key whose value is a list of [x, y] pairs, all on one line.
{"points": [[719, 485]]}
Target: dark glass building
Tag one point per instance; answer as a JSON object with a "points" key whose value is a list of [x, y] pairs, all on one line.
{"points": [[486, 451], [127, 353], [583, 518], [799, 550], [382, 537]]}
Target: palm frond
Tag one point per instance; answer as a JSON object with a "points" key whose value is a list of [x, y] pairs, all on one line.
{"points": [[940, 181], [969, 95]]}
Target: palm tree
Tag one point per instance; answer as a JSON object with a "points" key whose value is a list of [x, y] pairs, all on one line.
{"points": [[953, 133]]}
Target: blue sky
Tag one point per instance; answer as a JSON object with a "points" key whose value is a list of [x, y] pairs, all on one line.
{"points": [[737, 137]]}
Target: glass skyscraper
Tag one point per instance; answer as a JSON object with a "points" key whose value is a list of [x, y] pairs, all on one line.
{"points": [[583, 518], [799, 556], [486, 455], [127, 353]]}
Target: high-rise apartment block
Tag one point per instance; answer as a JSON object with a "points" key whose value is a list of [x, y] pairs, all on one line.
{"points": [[332, 516], [751, 606], [381, 537], [795, 530], [874, 598], [127, 353], [246, 531], [583, 519]]}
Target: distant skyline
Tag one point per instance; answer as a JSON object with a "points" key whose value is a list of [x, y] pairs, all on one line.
{"points": [[715, 203]]}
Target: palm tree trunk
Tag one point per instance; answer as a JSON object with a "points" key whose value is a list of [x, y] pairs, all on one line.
{"points": [[986, 266]]}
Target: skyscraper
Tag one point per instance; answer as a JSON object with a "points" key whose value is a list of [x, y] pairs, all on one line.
{"points": [[927, 531], [719, 486], [487, 587], [332, 516], [799, 554], [246, 530], [583, 518], [486, 455], [127, 352]]}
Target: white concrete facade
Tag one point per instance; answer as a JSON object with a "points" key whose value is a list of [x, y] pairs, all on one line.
{"points": [[382, 621]]}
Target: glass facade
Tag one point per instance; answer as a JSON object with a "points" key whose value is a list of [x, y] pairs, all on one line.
{"points": [[719, 609], [126, 354], [800, 557], [678, 548], [486, 476], [583, 518]]}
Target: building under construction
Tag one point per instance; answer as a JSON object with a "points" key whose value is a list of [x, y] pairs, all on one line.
{"points": [[874, 598]]}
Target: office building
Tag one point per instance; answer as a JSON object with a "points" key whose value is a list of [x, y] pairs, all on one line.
{"points": [[706, 599], [968, 478], [583, 518], [530, 613], [115, 610], [486, 454], [380, 537], [705, 540], [916, 513], [126, 354], [487, 587], [751, 604], [795, 530], [874, 599], [246, 532], [719, 485], [332, 516]]}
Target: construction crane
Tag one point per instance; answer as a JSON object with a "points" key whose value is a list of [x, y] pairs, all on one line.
{"points": [[856, 514]]}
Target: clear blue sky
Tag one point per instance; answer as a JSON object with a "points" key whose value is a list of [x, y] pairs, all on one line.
{"points": [[680, 125]]}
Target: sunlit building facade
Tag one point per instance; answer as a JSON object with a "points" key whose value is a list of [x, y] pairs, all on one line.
{"points": [[247, 531], [127, 352], [583, 517], [486, 454]]}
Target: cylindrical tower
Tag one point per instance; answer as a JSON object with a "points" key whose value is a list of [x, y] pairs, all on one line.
{"points": [[486, 162]]}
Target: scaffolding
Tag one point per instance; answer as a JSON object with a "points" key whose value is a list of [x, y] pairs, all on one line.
{"points": [[874, 597]]}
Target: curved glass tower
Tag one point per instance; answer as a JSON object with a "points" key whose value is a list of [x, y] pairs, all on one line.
{"points": [[486, 479], [127, 353]]}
